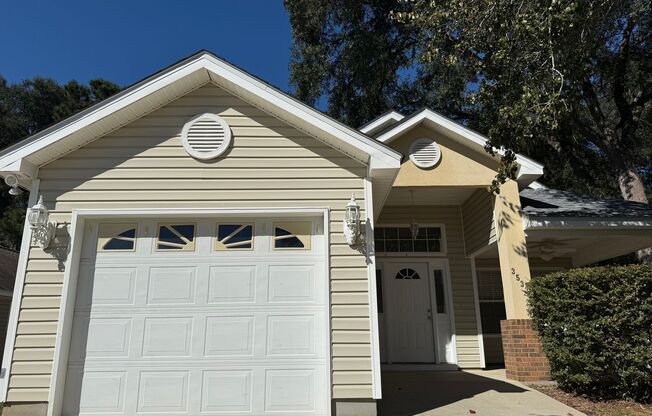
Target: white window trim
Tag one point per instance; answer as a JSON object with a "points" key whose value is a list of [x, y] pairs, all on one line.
{"points": [[19, 284], [486, 269], [78, 220], [444, 246]]}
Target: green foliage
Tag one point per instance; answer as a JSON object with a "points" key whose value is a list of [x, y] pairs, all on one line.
{"points": [[350, 51], [596, 329], [27, 108], [566, 82], [559, 79]]}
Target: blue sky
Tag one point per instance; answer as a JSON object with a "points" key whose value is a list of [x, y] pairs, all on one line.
{"points": [[126, 40]]}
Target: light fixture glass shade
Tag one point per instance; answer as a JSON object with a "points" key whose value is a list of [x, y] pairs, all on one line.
{"points": [[38, 214], [414, 229], [352, 211], [351, 221], [15, 191]]}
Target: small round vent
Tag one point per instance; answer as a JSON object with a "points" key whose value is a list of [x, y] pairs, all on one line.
{"points": [[425, 153], [206, 136]]}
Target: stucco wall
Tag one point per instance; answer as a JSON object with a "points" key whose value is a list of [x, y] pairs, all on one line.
{"points": [[143, 165], [459, 165]]}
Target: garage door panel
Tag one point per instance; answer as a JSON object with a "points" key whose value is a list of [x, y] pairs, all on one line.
{"points": [[228, 336], [105, 286], [204, 332], [231, 284], [291, 284], [227, 391], [167, 337], [163, 391], [171, 285]]}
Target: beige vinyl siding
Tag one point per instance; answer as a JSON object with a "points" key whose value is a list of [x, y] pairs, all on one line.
{"points": [[143, 165], [466, 332], [478, 216]]}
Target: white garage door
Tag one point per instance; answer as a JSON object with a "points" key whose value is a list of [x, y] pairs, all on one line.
{"points": [[200, 317]]}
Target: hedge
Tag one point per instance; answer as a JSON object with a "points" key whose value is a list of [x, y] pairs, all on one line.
{"points": [[596, 329]]}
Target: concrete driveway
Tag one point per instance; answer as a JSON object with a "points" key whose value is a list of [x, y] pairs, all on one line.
{"points": [[459, 393]]}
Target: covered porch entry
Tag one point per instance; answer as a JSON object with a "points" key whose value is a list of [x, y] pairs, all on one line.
{"points": [[424, 281]]}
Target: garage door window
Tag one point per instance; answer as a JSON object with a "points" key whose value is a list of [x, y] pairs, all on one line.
{"points": [[234, 237], [292, 235], [116, 237], [176, 237]]}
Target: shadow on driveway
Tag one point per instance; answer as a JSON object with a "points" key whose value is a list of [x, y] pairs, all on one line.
{"points": [[407, 393]]}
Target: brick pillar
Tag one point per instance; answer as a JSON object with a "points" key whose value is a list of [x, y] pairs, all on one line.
{"points": [[524, 358]]}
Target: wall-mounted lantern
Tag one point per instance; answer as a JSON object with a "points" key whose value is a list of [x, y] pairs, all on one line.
{"points": [[42, 229], [352, 221]]}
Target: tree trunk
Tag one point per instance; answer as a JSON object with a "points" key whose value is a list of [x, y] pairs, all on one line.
{"points": [[632, 188]]}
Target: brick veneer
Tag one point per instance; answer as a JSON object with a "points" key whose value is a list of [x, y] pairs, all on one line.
{"points": [[524, 358]]}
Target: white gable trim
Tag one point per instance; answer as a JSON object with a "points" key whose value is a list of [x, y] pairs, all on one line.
{"points": [[208, 68], [529, 170], [382, 154], [384, 120]]}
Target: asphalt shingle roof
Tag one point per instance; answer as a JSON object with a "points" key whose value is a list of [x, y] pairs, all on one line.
{"points": [[546, 202]]}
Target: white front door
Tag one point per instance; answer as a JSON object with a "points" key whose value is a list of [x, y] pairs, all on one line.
{"points": [[410, 325], [198, 317]]}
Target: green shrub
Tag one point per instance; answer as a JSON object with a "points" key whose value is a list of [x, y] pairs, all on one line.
{"points": [[596, 329]]}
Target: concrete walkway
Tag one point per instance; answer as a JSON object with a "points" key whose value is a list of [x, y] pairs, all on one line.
{"points": [[460, 393]]}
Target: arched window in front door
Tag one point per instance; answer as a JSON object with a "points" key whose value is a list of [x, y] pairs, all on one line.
{"points": [[407, 273]]}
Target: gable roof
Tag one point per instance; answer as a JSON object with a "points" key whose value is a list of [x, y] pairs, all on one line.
{"points": [[381, 122], [528, 171], [24, 158]]}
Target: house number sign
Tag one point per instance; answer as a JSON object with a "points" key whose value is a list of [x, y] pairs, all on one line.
{"points": [[518, 278]]}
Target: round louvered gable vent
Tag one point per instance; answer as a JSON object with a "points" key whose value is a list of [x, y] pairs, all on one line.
{"points": [[206, 136], [425, 153]]}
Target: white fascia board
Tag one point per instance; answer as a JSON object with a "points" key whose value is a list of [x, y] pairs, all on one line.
{"points": [[531, 222], [378, 153], [47, 137], [529, 170], [380, 122], [537, 185]]}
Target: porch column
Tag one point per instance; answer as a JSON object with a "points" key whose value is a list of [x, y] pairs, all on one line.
{"points": [[524, 358], [512, 251]]}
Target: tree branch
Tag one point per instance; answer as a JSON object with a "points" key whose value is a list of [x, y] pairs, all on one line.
{"points": [[593, 104], [624, 108]]}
